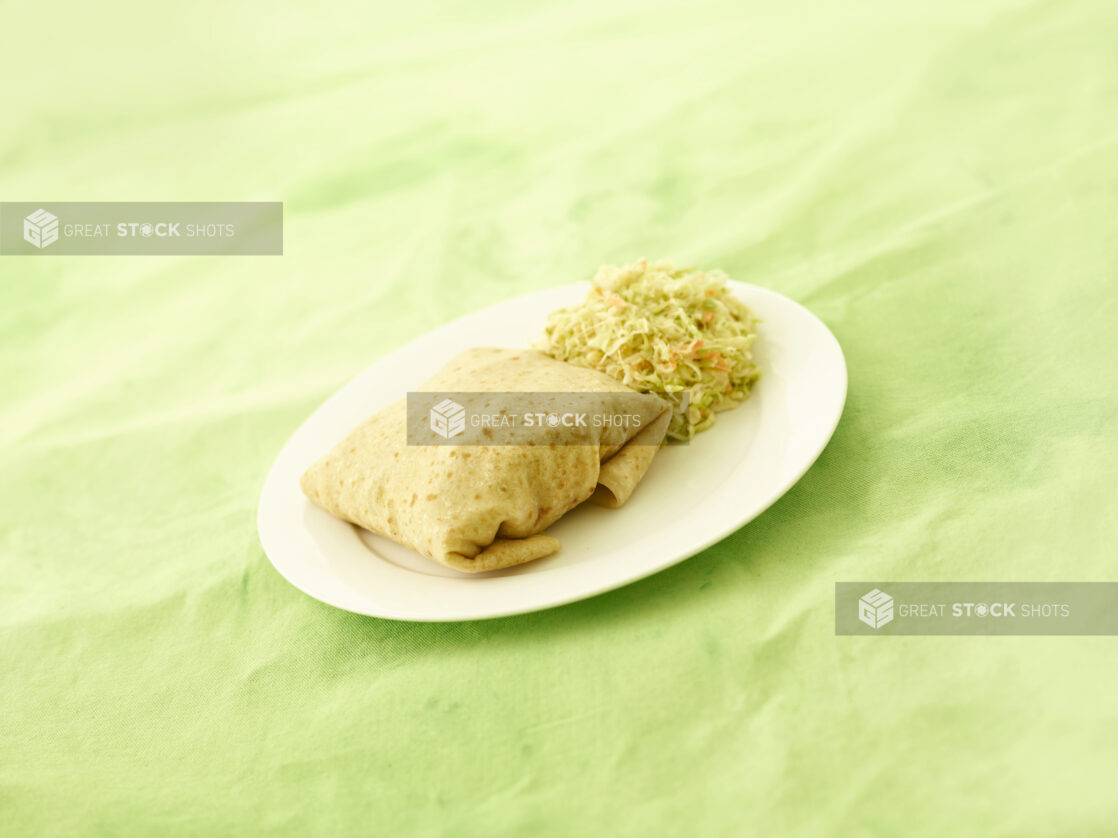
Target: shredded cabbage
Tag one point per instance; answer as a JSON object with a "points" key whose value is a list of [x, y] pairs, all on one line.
{"points": [[678, 333]]}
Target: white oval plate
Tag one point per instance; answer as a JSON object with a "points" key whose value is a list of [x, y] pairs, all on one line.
{"points": [[691, 497]]}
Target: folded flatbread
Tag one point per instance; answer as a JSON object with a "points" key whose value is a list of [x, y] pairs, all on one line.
{"points": [[484, 507]]}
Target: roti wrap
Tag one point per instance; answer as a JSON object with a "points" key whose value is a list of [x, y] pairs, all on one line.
{"points": [[484, 507]]}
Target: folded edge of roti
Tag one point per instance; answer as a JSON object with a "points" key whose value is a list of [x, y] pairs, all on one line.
{"points": [[484, 507]]}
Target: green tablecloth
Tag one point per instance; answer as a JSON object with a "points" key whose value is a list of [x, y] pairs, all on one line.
{"points": [[938, 181]]}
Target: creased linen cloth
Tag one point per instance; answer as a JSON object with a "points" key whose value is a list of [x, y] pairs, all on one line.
{"points": [[938, 181]]}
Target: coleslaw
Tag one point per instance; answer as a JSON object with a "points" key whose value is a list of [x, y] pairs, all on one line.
{"points": [[678, 333]]}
